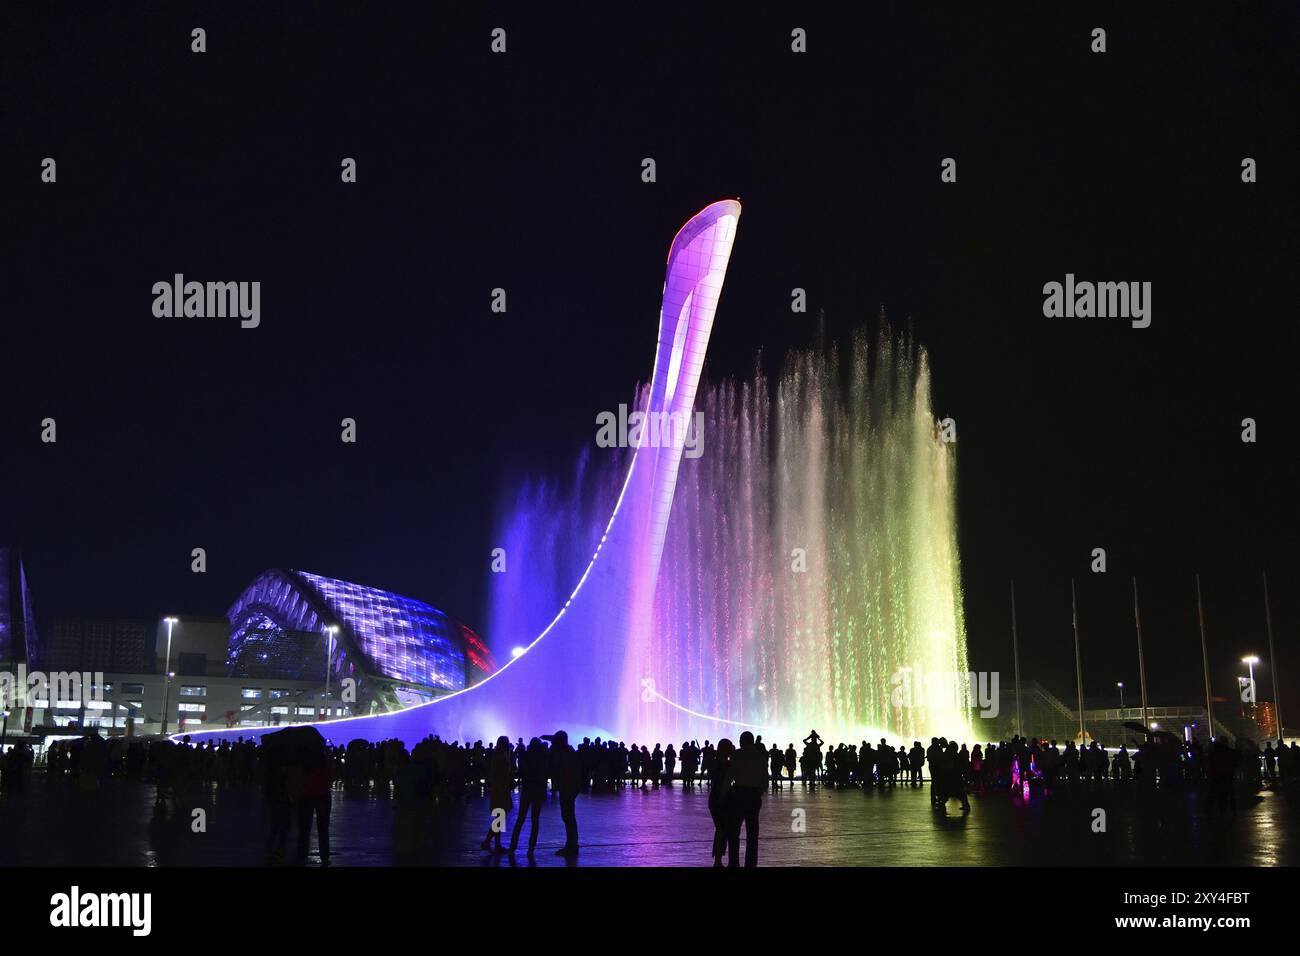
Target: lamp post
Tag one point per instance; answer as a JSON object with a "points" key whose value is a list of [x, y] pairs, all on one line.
{"points": [[167, 673], [1272, 659], [330, 631], [1142, 664], [1078, 666], [1015, 654], [1120, 685], [1205, 664]]}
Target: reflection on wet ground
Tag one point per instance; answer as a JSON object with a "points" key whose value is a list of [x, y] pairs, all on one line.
{"points": [[56, 825]]}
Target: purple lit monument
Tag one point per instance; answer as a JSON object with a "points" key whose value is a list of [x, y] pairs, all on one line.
{"points": [[591, 669]]}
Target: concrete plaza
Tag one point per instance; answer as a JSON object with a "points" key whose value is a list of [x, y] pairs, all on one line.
{"points": [[55, 825]]}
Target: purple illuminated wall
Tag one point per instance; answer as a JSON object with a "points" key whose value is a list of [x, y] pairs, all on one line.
{"points": [[18, 640], [590, 669]]}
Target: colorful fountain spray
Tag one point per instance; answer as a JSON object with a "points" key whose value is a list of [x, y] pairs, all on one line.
{"points": [[802, 573], [810, 575]]}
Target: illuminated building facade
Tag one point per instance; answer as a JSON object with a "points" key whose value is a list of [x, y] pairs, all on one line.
{"points": [[397, 650]]}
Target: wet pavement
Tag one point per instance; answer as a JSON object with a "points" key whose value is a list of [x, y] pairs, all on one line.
{"points": [[55, 825]]}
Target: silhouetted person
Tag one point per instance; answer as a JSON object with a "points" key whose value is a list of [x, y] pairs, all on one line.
{"points": [[719, 788], [646, 766], [812, 758], [1070, 763], [532, 793], [775, 760], [566, 776], [500, 781], [279, 806], [954, 782], [314, 800], [411, 785], [1121, 766], [933, 758], [867, 766], [690, 764], [1220, 767], [748, 777]]}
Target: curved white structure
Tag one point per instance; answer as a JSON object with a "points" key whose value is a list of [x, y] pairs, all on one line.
{"points": [[590, 671]]}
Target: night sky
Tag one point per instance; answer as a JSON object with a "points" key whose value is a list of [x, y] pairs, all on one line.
{"points": [[523, 171]]}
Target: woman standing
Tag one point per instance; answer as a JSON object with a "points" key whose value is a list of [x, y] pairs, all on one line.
{"points": [[500, 781], [718, 788], [532, 792]]}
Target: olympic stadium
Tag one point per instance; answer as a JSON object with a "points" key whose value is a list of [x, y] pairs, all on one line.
{"points": [[384, 650]]}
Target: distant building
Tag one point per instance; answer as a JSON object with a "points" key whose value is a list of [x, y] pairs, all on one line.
{"points": [[263, 665], [1264, 719], [198, 647], [90, 644], [133, 704], [395, 650]]}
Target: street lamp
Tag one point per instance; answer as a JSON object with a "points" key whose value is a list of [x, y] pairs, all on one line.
{"points": [[330, 631], [1120, 685], [167, 673]]}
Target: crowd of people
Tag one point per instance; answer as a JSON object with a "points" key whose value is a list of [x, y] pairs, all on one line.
{"points": [[736, 776], [16, 766]]}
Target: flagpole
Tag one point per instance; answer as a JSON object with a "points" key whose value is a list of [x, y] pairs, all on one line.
{"points": [[1078, 666], [1205, 659], [1142, 666], [1015, 652], [1272, 660]]}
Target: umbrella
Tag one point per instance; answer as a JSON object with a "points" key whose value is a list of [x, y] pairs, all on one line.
{"points": [[301, 744]]}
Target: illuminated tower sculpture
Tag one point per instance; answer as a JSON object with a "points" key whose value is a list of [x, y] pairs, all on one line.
{"points": [[589, 672]]}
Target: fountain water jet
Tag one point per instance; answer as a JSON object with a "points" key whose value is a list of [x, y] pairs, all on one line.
{"points": [[810, 575]]}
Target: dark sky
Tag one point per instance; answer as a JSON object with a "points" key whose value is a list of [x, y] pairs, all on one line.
{"points": [[522, 171]]}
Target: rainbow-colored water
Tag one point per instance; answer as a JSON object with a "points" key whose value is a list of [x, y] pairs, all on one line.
{"points": [[810, 576]]}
